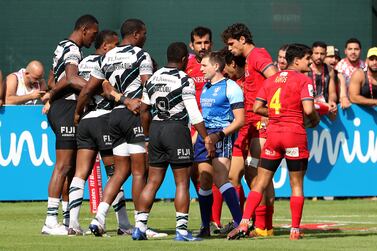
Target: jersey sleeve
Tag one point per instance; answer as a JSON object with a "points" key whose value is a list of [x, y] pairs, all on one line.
{"points": [[263, 61], [188, 91], [262, 93], [234, 94], [146, 65], [97, 71], [307, 90], [72, 56]]}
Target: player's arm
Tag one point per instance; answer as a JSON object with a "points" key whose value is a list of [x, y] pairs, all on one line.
{"points": [[260, 107], [310, 112], [11, 97], [356, 82], [85, 95], [145, 114], [332, 91], [269, 70]]}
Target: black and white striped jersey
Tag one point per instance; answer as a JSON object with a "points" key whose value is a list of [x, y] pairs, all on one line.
{"points": [[67, 52], [85, 68], [122, 67], [166, 92]]}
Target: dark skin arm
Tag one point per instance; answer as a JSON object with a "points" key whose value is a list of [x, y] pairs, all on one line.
{"points": [[260, 108]]}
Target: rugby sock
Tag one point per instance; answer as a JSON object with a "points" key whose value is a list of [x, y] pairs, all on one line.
{"points": [[269, 216], [241, 195], [141, 221], [297, 204], [102, 210], [119, 206], [260, 217], [231, 199], [65, 210], [252, 202], [205, 203], [52, 211], [217, 205], [76, 194], [181, 222]]}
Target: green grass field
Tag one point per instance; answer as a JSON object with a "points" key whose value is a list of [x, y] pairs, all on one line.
{"points": [[335, 225]]}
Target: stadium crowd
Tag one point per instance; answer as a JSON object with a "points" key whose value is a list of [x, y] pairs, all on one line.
{"points": [[212, 116]]}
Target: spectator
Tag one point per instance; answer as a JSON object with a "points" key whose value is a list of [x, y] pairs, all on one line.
{"points": [[281, 63], [347, 66], [332, 56], [26, 86], [363, 83], [323, 81]]}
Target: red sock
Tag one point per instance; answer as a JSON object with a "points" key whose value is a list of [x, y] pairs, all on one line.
{"points": [[297, 204], [253, 200], [241, 195], [217, 205], [269, 216], [260, 217], [197, 187]]}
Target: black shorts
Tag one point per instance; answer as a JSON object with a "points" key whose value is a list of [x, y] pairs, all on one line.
{"points": [[170, 143], [60, 117], [93, 133], [125, 127]]}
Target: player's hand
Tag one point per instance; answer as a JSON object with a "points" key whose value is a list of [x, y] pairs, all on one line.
{"points": [[76, 119], [264, 122], [210, 145], [37, 94], [133, 105], [46, 108], [108, 88]]}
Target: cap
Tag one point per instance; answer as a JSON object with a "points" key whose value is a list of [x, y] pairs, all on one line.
{"points": [[372, 52], [332, 51]]}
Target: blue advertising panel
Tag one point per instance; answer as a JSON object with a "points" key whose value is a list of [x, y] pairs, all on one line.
{"points": [[343, 156]]}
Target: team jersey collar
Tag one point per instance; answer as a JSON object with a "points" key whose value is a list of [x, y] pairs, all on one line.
{"points": [[209, 84]]}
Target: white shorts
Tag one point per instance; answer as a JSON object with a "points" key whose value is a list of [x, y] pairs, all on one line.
{"points": [[126, 149]]}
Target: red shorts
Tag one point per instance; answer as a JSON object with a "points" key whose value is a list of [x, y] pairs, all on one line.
{"points": [[249, 131], [287, 145]]}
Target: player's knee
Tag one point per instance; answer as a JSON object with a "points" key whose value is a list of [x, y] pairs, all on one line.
{"points": [[206, 180]]}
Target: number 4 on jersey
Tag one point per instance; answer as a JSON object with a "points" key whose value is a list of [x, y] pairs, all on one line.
{"points": [[275, 102]]}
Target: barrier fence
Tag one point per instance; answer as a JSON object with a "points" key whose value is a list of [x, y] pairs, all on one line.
{"points": [[343, 156]]}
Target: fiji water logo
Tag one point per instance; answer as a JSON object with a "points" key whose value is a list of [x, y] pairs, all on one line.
{"points": [[16, 147]]}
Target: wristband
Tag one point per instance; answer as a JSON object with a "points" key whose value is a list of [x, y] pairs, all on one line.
{"points": [[122, 99], [146, 138], [221, 135]]}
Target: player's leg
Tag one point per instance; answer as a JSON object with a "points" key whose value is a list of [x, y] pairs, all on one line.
{"points": [[264, 177], [221, 173], [137, 155], [119, 203], [297, 170], [156, 175], [84, 164]]}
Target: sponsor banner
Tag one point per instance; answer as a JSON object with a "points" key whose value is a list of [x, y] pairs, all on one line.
{"points": [[343, 156]]}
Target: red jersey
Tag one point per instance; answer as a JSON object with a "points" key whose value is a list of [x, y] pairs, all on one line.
{"points": [[257, 61], [193, 70], [284, 92]]}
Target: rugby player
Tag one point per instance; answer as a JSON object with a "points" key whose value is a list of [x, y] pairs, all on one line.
{"points": [[67, 57], [284, 98]]}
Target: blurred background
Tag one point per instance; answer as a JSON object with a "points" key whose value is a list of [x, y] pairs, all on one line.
{"points": [[32, 29]]}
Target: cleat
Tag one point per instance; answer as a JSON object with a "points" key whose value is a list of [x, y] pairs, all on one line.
{"points": [[296, 234], [187, 237], [227, 228], [257, 232], [55, 230], [96, 228], [125, 231], [153, 234], [204, 232], [214, 228], [75, 231], [238, 232], [138, 235]]}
